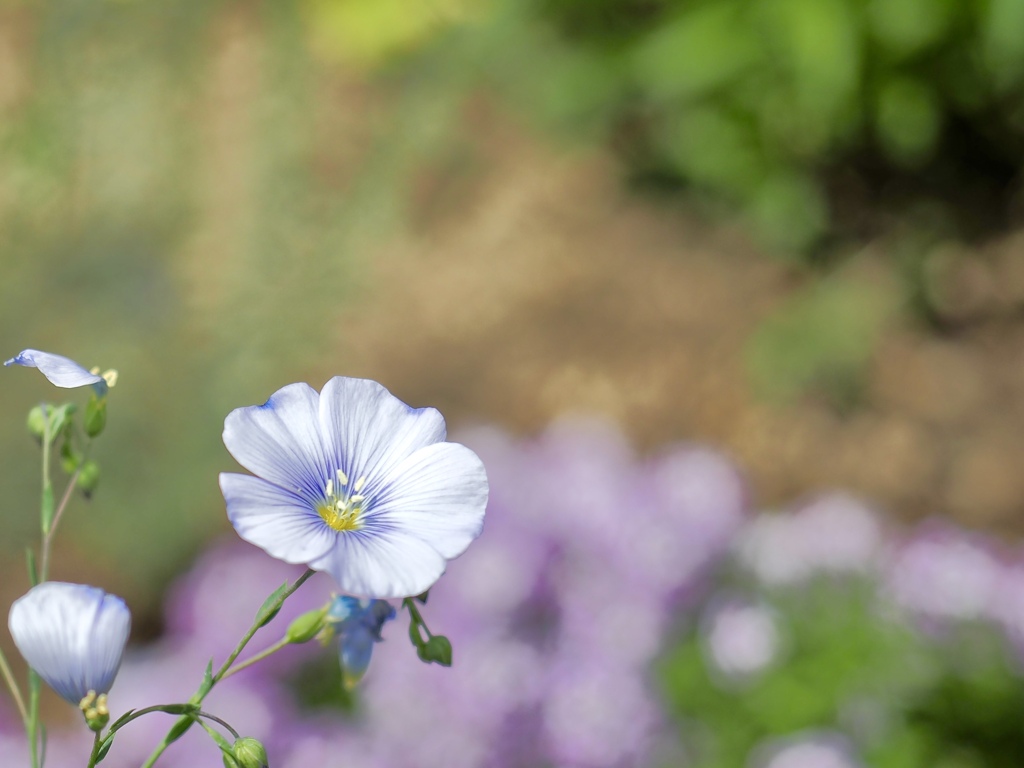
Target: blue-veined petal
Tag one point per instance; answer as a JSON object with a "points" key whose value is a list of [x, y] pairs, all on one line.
{"points": [[370, 430], [280, 440], [279, 522], [59, 370], [382, 564], [436, 494], [72, 635], [356, 483]]}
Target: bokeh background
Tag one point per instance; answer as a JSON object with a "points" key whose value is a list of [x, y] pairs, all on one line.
{"points": [[787, 230]]}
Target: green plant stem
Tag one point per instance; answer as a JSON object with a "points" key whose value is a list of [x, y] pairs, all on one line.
{"points": [[95, 750], [32, 727], [12, 685], [414, 613], [258, 657], [185, 721], [48, 538]]}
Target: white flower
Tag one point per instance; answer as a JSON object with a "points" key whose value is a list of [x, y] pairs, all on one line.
{"points": [[354, 482], [72, 635]]}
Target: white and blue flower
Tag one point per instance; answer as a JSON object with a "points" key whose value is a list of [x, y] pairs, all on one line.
{"points": [[353, 482], [73, 635], [64, 372], [357, 623]]}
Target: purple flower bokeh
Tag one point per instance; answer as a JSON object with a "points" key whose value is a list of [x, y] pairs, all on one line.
{"points": [[589, 559], [555, 615]]}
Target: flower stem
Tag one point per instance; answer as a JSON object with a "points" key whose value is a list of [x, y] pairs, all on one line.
{"points": [[258, 657], [48, 537], [12, 685], [95, 750], [186, 721]]}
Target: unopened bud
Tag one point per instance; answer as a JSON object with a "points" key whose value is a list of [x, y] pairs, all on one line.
{"points": [[94, 709], [438, 649], [95, 415], [89, 477], [305, 627], [249, 753]]}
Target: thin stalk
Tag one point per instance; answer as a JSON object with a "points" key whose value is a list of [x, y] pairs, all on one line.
{"points": [[258, 657], [12, 685], [32, 727], [185, 721], [95, 750], [48, 538]]}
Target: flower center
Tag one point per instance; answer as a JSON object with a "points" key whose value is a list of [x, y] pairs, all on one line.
{"points": [[341, 507]]}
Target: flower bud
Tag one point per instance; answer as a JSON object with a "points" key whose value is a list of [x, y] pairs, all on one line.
{"points": [[89, 477], [438, 649], [36, 422], [306, 627], [249, 753], [95, 415]]}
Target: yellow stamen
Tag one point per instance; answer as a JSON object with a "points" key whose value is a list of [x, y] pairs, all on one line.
{"points": [[339, 510]]}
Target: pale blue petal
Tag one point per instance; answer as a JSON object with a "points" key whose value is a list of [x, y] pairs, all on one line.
{"points": [[356, 650], [72, 635], [369, 431], [61, 371], [275, 519], [438, 495], [381, 563]]}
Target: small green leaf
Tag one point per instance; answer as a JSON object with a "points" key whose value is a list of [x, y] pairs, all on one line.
{"points": [[423, 598], [271, 606], [105, 747], [207, 684], [121, 721], [179, 728]]}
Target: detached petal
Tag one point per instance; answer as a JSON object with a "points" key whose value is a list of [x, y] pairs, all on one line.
{"points": [[280, 441], [72, 635], [276, 520], [61, 371], [438, 495], [369, 431]]}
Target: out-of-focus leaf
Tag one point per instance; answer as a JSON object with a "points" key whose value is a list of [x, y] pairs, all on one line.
{"points": [[906, 26], [696, 52], [908, 120], [822, 337]]}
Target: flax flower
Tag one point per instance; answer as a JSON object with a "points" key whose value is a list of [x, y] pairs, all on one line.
{"points": [[63, 371], [72, 635], [353, 482]]}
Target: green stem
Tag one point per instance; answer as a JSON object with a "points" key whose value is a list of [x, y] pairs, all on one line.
{"points": [[32, 727], [185, 721], [12, 684], [95, 750], [258, 657], [48, 538], [414, 613]]}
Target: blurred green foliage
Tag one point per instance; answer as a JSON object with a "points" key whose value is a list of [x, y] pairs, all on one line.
{"points": [[820, 339], [175, 203], [762, 102], [902, 699]]}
